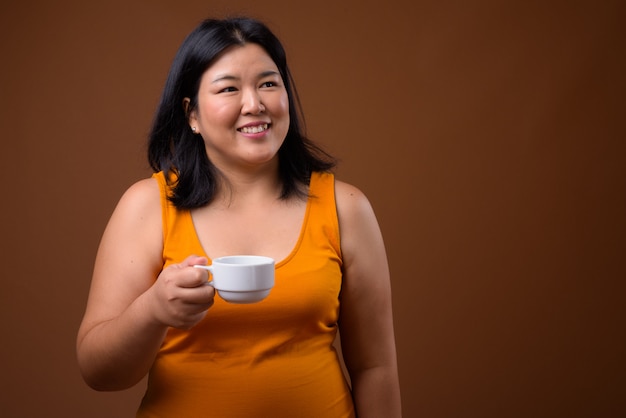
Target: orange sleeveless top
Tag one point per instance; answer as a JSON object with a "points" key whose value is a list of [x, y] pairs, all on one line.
{"points": [[269, 359]]}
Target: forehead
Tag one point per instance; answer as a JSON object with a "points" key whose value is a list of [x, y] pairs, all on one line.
{"points": [[242, 59]]}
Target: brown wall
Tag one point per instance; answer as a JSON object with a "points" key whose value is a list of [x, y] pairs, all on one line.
{"points": [[489, 137]]}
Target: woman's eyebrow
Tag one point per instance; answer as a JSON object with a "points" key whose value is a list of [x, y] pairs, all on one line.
{"points": [[223, 77], [229, 77], [269, 73]]}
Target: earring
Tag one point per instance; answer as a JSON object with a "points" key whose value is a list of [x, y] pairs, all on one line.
{"points": [[193, 129]]}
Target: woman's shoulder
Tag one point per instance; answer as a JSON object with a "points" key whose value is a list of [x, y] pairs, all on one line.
{"points": [[357, 222], [354, 210], [349, 197], [141, 199], [144, 190], [135, 227]]}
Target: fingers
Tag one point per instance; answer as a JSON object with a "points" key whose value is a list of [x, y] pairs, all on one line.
{"points": [[199, 295], [192, 277], [191, 305], [184, 293]]}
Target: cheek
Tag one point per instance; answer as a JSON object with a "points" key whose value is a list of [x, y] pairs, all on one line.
{"points": [[283, 109], [220, 114], [284, 104], [281, 113], [277, 103]]}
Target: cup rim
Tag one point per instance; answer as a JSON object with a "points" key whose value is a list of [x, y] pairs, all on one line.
{"points": [[255, 259]]}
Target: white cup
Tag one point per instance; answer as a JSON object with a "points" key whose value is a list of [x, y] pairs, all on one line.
{"points": [[242, 278]]}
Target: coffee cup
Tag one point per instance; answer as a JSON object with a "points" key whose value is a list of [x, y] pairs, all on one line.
{"points": [[241, 278]]}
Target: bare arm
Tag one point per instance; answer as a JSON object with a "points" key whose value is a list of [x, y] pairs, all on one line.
{"points": [[131, 301], [366, 322]]}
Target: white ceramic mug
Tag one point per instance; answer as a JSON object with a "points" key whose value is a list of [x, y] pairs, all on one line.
{"points": [[242, 278]]}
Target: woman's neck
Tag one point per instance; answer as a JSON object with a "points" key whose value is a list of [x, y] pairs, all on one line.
{"points": [[241, 187]]}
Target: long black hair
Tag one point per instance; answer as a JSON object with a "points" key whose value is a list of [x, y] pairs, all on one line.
{"points": [[174, 149]]}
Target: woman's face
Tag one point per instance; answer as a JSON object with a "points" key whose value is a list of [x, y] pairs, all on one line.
{"points": [[243, 109]]}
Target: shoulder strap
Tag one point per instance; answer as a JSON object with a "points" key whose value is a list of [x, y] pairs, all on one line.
{"points": [[324, 207]]}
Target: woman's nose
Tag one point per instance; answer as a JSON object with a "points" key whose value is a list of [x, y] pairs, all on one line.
{"points": [[252, 104]]}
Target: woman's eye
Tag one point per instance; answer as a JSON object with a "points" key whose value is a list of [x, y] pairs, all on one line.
{"points": [[228, 90], [268, 84]]}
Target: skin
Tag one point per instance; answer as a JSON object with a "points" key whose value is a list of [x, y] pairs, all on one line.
{"points": [[129, 311]]}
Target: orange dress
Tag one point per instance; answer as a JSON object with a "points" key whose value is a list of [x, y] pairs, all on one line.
{"points": [[269, 359]]}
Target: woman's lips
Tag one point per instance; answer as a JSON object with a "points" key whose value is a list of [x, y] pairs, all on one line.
{"points": [[254, 129]]}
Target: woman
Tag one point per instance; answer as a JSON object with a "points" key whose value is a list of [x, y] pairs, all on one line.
{"points": [[235, 175]]}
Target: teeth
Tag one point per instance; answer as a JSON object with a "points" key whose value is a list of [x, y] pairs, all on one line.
{"points": [[254, 129]]}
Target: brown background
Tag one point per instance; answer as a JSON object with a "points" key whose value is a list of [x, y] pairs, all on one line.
{"points": [[489, 136]]}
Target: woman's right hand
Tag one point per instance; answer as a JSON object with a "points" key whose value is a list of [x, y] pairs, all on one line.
{"points": [[181, 295]]}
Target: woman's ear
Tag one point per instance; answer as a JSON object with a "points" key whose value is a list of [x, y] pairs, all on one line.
{"points": [[186, 104], [191, 114]]}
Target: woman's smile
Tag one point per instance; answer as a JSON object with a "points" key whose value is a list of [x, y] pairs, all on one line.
{"points": [[254, 128]]}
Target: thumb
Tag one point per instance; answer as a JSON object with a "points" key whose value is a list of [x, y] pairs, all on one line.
{"points": [[193, 260], [192, 277]]}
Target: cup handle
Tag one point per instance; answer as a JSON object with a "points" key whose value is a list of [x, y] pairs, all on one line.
{"points": [[209, 269]]}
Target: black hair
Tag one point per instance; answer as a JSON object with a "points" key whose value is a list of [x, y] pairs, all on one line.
{"points": [[174, 149]]}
